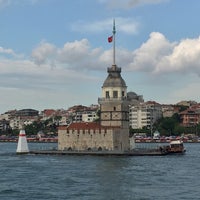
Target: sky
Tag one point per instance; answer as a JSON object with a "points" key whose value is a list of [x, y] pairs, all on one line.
{"points": [[55, 53]]}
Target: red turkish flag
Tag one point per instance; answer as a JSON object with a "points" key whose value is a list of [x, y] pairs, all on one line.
{"points": [[110, 39]]}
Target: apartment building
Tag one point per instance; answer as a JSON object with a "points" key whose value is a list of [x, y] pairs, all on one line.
{"points": [[23, 117], [144, 114], [191, 116], [88, 115]]}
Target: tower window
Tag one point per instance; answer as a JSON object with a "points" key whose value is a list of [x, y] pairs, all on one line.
{"points": [[107, 94], [115, 94], [123, 93], [114, 108]]}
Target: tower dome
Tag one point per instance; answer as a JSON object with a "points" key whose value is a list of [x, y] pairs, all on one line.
{"points": [[114, 86], [114, 78]]}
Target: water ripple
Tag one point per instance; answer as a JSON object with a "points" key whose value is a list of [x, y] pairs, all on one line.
{"points": [[39, 177]]}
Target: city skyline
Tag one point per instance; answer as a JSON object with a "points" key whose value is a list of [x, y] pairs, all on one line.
{"points": [[55, 54]]}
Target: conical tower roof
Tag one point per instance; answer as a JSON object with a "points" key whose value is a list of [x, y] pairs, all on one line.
{"points": [[114, 78]]}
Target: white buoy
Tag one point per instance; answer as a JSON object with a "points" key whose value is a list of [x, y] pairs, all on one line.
{"points": [[22, 146]]}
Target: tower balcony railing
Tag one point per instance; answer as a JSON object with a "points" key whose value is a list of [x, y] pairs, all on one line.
{"points": [[111, 99], [114, 68]]}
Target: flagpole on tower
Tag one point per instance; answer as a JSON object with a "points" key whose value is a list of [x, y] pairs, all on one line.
{"points": [[114, 31]]}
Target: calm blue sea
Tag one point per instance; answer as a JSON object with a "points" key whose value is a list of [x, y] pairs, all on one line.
{"points": [[38, 177]]}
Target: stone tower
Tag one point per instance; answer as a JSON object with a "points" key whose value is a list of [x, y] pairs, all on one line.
{"points": [[113, 104], [112, 133]]}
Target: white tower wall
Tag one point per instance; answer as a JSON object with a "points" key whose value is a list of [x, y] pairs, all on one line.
{"points": [[22, 146]]}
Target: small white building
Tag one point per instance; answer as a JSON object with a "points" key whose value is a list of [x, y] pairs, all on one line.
{"points": [[89, 116]]}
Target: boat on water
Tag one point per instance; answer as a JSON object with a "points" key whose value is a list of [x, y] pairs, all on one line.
{"points": [[174, 147]]}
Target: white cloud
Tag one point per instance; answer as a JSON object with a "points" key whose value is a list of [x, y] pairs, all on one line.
{"points": [[184, 58], [7, 51], [43, 52], [151, 53], [27, 74], [155, 56], [73, 55], [160, 56], [26, 84], [125, 25], [79, 55], [74, 52], [76, 64]]}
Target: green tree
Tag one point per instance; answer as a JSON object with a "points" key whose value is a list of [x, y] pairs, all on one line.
{"points": [[170, 126], [166, 126], [34, 128]]}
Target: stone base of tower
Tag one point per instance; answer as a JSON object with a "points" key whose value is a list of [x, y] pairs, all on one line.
{"points": [[121, 139], [93, 137]]}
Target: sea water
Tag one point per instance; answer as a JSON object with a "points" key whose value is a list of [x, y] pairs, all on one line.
{"points": [[57, 177]]}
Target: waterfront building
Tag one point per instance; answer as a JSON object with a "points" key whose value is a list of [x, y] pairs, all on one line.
{"points": [[24, 116], [191, 116], [17, 121], [5, 116], [111, 132], [186, 103], [64, 121], [4, 126], [144, 115], [47, 114], [168, 110], [89, 116], [80, 113], [85, 116], [27, 113]]}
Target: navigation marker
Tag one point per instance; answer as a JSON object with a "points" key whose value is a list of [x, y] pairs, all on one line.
{"points": [[22, 146]]}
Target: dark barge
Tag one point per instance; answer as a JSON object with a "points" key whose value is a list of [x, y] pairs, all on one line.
{"points": [[135, 152]]}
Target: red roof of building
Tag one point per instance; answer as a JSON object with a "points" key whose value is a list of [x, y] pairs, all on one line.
{"points": [[49, 112], [195, 109]]}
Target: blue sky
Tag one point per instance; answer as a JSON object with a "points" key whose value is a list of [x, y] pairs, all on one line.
{"points": [[55, 54]]}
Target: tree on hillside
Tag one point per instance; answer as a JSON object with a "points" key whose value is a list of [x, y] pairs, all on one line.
{"points": [[169, 125]]}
